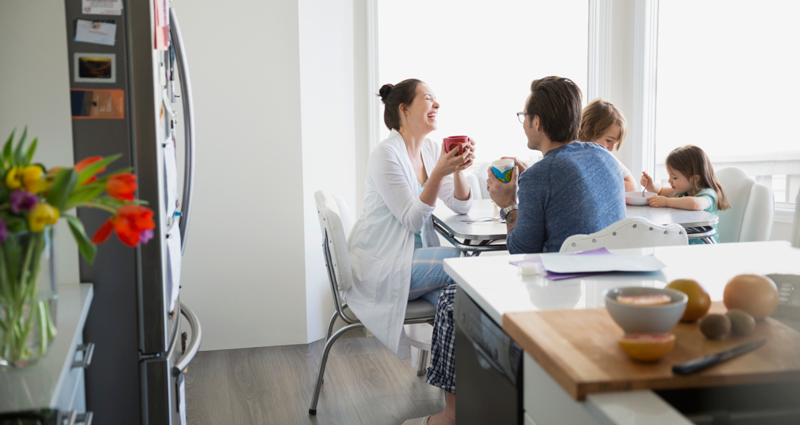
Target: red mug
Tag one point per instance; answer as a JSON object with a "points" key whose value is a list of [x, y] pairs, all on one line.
{"points": [[453, 141]]}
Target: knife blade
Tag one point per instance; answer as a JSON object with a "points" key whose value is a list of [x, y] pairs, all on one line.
{"points": [[701, 363]]}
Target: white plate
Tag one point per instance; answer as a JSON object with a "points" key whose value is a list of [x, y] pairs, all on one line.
{"points": [[635, 198]]}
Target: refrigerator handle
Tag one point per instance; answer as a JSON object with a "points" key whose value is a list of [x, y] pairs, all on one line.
{"points": [[194, 344], [188, 116]]}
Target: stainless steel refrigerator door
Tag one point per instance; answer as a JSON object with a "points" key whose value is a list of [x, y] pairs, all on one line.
{"points": [[162, 378]]}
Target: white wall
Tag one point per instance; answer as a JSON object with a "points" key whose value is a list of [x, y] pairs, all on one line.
{"points": [[243, 271], [275, 123], [34, 91], [328, 135]]}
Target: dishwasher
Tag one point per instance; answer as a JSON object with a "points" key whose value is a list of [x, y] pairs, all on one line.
{"points": [[488, 368]]}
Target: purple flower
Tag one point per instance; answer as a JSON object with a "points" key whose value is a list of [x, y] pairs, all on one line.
{"points": [[3, 231], [22, 201], [145, 235]]}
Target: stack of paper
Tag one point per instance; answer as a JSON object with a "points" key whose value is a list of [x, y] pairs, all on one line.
{"points": [[597, 261]]}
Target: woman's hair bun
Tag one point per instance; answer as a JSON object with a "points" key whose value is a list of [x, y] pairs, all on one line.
{"points": [[384, 91]]}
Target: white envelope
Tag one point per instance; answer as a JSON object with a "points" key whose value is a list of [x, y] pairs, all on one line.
{"points": [[170, 178], [565, 263], [174, 258]]}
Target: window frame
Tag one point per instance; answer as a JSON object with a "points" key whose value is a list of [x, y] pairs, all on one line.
{"points": [[645, 93]]}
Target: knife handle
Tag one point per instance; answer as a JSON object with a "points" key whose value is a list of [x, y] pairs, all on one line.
{"points": [[695, 365]]}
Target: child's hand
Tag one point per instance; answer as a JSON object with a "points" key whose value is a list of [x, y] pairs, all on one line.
{"points": [[647, 182], [657, 201]]}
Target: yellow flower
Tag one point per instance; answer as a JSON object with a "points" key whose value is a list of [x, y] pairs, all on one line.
{"points": [[32, 177], [14, 178], [42, 215]]}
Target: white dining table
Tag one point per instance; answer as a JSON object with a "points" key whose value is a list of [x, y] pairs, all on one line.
{"points": [[481, 229], [496, 286]]}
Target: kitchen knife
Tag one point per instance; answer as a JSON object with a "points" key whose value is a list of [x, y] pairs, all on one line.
{"points": [[701, 363]]}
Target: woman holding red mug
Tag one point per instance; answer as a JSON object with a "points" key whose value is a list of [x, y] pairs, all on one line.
{"points": [[394, 250]]}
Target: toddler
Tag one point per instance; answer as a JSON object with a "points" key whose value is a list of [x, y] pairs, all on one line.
{"points": [[694, 184]]}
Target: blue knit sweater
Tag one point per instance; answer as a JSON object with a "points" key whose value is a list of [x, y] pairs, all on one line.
{"points": [[575, 189]]}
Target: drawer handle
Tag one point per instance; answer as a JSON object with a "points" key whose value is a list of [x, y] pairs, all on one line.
{"points": [[74, 417], [88, 351]]}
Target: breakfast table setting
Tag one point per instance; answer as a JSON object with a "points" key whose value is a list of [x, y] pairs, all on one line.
{"points": [[482, 230]]}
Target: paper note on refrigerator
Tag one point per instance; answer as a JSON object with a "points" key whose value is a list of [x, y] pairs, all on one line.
{"points": [[182, 399], [95, 32], [102, 7], [170, 178], [174, 257]]}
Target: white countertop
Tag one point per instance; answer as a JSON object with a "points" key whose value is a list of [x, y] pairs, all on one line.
{"points": [[38, 386], [497, 288]]}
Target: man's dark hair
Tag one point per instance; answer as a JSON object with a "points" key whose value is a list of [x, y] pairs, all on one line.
{"points": [[557, 103]]}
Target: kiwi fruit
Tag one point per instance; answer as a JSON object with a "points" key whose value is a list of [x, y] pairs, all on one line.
{"points": [[715, 326], [742, 324]]}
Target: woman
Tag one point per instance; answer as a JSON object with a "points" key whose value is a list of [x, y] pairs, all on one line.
{"points": [[394, 251]]}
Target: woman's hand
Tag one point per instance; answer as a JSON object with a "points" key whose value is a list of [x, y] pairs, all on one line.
{"points": [[648, 184], [468, 153], [451, 162]]}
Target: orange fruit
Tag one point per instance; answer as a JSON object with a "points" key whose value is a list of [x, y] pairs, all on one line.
{"points": [[699, 301], [647, 347], [644, 300], [753, 294]]}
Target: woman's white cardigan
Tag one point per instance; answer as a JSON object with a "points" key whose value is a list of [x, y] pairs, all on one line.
{"points": [[381, 244]]}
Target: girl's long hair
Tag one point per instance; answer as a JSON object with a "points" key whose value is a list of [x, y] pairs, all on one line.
{"points": [[691, 161]]}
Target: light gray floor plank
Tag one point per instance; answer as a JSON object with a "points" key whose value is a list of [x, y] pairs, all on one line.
{"points": [[365, 384]]}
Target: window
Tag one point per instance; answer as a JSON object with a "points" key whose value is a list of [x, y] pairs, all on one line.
{"points": [[728, 82], [480, 58]]}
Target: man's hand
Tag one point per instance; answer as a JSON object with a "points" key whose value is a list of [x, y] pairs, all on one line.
{"points": [[657, 201], [503, 194]]}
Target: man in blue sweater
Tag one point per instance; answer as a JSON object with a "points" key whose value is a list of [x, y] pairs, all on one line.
{"points": [[575, 189]]}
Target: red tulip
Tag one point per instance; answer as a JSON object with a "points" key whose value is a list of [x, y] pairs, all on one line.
{"points": [[103, 233], [87, 162], [121, 186], [130, 223]]}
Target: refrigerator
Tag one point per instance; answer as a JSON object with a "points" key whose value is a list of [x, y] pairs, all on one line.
{"points": [[130, 93]]}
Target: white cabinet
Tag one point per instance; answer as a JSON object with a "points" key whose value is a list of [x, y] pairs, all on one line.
{"points": [[56, 382]]}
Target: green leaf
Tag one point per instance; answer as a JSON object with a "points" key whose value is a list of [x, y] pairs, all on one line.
{"points": [[95, 168], [31, 151], [19, 158], [85, 245], [84, 194], [13, 259], [62, 187], [15, 224], [7, 149]]}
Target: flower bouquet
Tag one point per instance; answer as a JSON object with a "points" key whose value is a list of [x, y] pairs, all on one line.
{"points": [[32, 199]]}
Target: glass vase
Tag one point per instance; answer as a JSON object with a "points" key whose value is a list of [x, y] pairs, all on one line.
{"points": [[27, 297]]}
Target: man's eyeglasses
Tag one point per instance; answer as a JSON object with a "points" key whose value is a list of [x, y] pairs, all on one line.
{"points": [[521, 116]]}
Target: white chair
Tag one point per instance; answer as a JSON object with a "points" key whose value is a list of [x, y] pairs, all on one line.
{"points": [[334, 221], [796, 226], [475, 184], [749, 219], [635, 232]]}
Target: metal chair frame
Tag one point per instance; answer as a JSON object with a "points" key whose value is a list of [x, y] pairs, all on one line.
{"points": [[351, 324]]}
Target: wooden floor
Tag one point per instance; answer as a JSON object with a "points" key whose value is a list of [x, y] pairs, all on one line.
{"points": [[364, 384]]}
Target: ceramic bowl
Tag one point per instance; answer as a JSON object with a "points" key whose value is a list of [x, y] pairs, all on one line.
{"points": [[636, 198], [636, 319]]}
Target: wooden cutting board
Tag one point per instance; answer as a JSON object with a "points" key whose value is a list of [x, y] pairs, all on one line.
{"points": [[579, 349]]}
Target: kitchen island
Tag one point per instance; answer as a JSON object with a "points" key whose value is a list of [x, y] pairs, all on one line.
{"points": [[497, 288]]}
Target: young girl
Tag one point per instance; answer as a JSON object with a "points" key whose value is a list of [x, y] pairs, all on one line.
{"points": [[604, 124], [694, 184]]}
